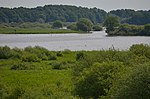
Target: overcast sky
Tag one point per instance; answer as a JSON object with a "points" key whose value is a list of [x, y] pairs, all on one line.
{"points": [[107, 5]]}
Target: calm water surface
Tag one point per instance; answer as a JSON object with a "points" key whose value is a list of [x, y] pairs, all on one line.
{"points": [[94, 41]]}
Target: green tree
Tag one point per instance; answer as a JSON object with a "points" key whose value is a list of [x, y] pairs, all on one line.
{"points": [[50, 13], [147, 29], [57, 24], [84, 25], [72, 26], [110, 23], [94, 81]]}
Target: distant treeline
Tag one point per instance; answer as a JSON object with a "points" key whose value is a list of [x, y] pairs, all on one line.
{"points": [[66, 13], [133, 17], [50, 13]]}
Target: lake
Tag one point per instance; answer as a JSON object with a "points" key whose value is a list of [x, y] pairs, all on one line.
{"points": [[93, 41]]}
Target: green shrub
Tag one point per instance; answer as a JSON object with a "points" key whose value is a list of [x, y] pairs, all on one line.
{"points": [[2, 91], [134, 83], [59, 54], [17, 53], [36, 50], [5, 52], [57, 24], [23, 66], [95, 81], [56, 65], [72, 26], [84, 24], [16, 93], [30, 58], [79, 56], [52, 57], [146, 30], [66, 51], [141, 50], [42, 56], [59, 65]]}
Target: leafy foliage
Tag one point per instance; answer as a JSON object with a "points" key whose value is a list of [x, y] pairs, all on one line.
{"points": [[96, 80], [132, 17], [84, 25], [50, 13], [134, 83], [5, 52], [72, 26], [97, 28], [57, 24], [146, 30], [131, 30], [105, 74], [110, 23], [22, 66], [141, 50]]}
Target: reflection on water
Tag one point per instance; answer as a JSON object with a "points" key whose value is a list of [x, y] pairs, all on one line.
{"points": [[94, 41]]}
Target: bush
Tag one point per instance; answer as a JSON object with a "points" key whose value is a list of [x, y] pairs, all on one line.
{"points": [[57, 24], [5, 52], [132, 84], [72, 27], [42, 57], [2, 91], [66, 51], [59, 65], [140, 50], [79, 56], [56, 65], [95, 81], [30, 58], [36, 50], [17, 53], [147, 29], [59, 54], [84, 24], [52, 57], [23, 66], [17, 93]]}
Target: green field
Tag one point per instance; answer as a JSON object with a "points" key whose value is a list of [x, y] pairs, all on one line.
{"points": [[35, 31], [32, 28], [42, 82], [37, 73]]}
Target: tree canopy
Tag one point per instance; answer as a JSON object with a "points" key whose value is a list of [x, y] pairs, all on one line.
{"points": [[84, 25], [110, 23], [50, 13], [132, 17], [57, 24]]}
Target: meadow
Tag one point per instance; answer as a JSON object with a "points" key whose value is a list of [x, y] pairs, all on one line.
{"points": [[35, 72], [32, 28]]}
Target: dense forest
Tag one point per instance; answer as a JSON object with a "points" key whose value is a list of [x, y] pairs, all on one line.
{"points": [[66, 13], [132, 17], [50, 13]]}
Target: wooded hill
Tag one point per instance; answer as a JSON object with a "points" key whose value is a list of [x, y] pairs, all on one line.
{"points": [[50, 13], [66, 13], [132, 17]]}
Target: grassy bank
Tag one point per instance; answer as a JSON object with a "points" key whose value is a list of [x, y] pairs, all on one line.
{"points": [[35, 72], [35, 31], [32, 28]]}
